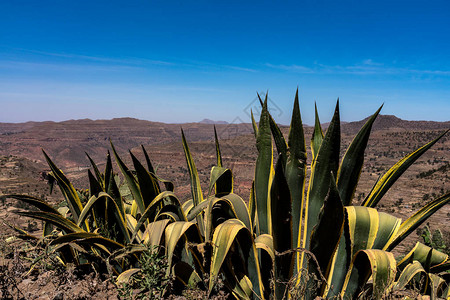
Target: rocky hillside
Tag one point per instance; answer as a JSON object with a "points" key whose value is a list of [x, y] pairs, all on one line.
{"points": [[68, 141]]}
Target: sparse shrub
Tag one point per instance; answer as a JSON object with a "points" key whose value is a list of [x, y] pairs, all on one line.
{"points": [[151, 281], [398, 202], [434, 239]]}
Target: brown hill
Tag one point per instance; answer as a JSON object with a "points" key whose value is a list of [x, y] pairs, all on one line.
{"points": [[390, 122], [67, 141]]}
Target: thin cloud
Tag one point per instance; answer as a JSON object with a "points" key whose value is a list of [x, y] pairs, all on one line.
{"points": [[370, 62], [209, 65], [367, 67], [39, 66], [241, 69], [141, 62], [126, 61], [292, 68]]}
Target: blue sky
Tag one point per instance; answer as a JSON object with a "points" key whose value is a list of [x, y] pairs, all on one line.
{"points": [[182, 61]]}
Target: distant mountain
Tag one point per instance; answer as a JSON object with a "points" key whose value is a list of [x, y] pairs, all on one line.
{"points": [[390, 122], [208, 121]]}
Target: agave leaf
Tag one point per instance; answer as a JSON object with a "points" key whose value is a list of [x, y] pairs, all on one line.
{"points": [[119, 218], [373, 186], [152, 210], [325, 237], [174, 232], [278, 137], [444, 267], [387, 230], [218, 154], [36, 202], [252, 206], [132, 227], [67, 189], [254, 125], [363, 227], [239, 208], [88, 238], [167, 183], [108, 172], [413, 222], [265, 242], [428, 260], [154, 232], [224, 236], [295, 174], [395, 172], [128, 251], [187, 207], [221, 180], [280, 198], [192, 211], [245, 283], [376, 263], [113, 190], [227, 207], [263, 172], [53, 218], [147, 159], [95, 186], [446, 292], [89, 207], [266, 255], [410, 272], [98, 175], [185, 274], [317, 137], [134, 209], [240, 288], [352, 162], [325, 163], [420, 253], [436, 286], [131, 181], [149, 188], [99, 211], [196, 189], [24, 235], [360, 232], [124, 277], [168, 215], [237, 282]]}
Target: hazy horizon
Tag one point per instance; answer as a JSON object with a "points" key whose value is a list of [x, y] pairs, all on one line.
{"points": [[179, 62], [238, 121]]}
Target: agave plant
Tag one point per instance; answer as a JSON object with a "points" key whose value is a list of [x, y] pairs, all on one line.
{"points": [[350, 243], [76, 228], [318, 235], [92, 225]]}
